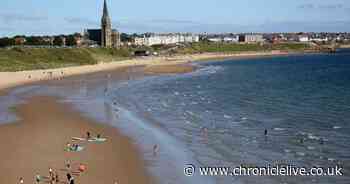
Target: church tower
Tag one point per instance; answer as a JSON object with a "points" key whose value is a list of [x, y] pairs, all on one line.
{"points": [[106, 28]]}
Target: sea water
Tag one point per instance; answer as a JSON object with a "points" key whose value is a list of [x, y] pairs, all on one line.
{"points": [[303, 101]]}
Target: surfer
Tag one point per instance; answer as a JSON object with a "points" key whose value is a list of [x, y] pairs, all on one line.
{"points": [[265, 132]]}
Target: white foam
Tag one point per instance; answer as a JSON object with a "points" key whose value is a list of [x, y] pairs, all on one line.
{"points": [[313, 137], [227, 116], [331, 159]]}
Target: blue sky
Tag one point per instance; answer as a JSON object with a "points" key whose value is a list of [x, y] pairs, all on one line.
{"points": [[47, 17]]}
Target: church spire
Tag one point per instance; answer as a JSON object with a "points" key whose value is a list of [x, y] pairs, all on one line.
{"points": [[106, 28], [105, 16], [105, 9]]}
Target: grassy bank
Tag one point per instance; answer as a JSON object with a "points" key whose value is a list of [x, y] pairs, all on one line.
{"points": [[231, 48], [19, 59]]}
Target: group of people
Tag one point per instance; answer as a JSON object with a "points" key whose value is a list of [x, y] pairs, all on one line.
{"points": [[54, 178], [49, 76]]}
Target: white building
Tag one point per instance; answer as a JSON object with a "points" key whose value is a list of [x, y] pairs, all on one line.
{"points": [[216, 39], [303, 38], [252, 38], [165, 39], [231, 39]]}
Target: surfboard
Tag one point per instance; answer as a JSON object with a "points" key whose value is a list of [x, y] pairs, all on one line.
{"points": [[95, 139], [78, 139]]}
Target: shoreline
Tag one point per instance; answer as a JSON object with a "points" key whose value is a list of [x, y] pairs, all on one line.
{"points": [[37, 145], [9, 80]]}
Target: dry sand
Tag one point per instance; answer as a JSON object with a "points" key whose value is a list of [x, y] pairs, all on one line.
{"points": [[37, 142]]}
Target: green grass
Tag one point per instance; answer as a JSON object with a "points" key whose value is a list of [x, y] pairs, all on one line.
{"points": [[19, 59], [233, 47]]}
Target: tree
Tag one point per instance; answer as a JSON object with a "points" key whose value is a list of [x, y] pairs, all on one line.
{"points": [[4, 42], [34, 40], [125, 37], [58, 41], [70, 40]]}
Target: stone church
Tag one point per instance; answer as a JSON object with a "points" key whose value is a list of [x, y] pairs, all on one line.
{"points": [[106, 36]]}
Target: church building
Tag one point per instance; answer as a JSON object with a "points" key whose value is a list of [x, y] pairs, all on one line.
{"points": [[106, 36]]}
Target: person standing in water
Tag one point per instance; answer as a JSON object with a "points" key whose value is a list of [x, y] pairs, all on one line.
{"points": [[265, 132], [155, 149]]}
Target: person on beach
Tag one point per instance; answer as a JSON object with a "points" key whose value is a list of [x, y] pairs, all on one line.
{"points": [[57, 179], [68, 165], [71, 181], [21, 181], [88, 135], [37, 179], [82, 168], [98, 136], [50, 172], [69, 176]]}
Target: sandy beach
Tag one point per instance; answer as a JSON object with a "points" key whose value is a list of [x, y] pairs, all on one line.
{"points": [[12, 79], [37, 142]]}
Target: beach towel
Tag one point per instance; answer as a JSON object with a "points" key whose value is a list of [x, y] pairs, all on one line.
{"points": [[95, 139]]}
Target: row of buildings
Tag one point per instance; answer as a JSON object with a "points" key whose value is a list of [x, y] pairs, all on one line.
{"points": [[108, 37], [165, 39], [277, 37]]}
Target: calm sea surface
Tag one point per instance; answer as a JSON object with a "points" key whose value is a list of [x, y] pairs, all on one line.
{"points": [[302, 101]]}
